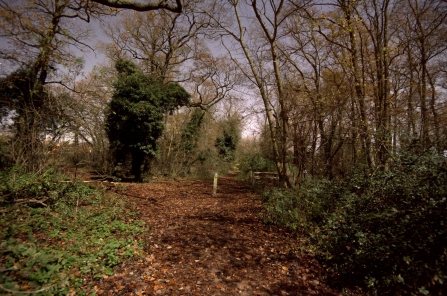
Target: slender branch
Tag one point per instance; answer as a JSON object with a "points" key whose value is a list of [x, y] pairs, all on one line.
{"points": [[145, 6], [25, 292], [30, 201]]}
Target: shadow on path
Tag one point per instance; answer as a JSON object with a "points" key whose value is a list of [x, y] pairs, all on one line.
{"points": [[205, 245]]}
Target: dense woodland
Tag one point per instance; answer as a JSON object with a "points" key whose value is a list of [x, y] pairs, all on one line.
{"points": [[346, 100]]}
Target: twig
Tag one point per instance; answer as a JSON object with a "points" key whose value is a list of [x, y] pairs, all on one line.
{"points": [[25, 292], [77, 205], [26, 201]]}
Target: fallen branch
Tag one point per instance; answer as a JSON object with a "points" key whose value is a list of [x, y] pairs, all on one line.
{"points": [[25, 292], [26, 201]]}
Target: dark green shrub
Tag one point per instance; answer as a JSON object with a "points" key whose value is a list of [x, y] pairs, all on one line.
{"points": [[284, 208], [302, 209], [136, 113], [255, 162], [385, 231], [388, 230]]}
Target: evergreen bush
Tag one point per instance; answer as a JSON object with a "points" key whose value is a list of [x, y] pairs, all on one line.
{"points": [[389, 228], [385, 231]]}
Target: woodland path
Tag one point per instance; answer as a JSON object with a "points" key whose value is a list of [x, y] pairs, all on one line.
{"points": [[204, 245]]}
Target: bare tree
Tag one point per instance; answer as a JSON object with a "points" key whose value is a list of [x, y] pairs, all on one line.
{"points": [[250, 31], [421, 32], [161, 42]]}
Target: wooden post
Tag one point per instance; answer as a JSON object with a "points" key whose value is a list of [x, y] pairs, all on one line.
{"points": [[215, 184]]}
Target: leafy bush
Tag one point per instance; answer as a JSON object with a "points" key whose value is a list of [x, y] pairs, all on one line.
{"points": [[386, 231], [390, 231], [38, 188], [82, 234], [304, 208], [284, 208], [254, 161]]}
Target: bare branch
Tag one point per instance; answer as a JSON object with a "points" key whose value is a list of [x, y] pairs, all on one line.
{"points": [[25, 292], [143, 6]]}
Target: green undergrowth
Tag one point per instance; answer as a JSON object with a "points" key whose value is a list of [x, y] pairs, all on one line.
{"points": [[56, 235], [384, 231]]}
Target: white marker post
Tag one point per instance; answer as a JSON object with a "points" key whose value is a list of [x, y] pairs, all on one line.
{"points": [[215, 184]]}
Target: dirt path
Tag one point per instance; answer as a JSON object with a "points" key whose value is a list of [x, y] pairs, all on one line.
{"points": [[205, 245]]}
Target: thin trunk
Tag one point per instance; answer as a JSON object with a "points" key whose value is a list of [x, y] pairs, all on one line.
{"points": [[359, 87], [425, 136], [433, 109], [378, 31], [278, 151], [283, 120], [411, 124], [354, 133]]}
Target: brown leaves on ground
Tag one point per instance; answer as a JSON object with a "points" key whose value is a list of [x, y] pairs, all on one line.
{"points": [[204, 245]]}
